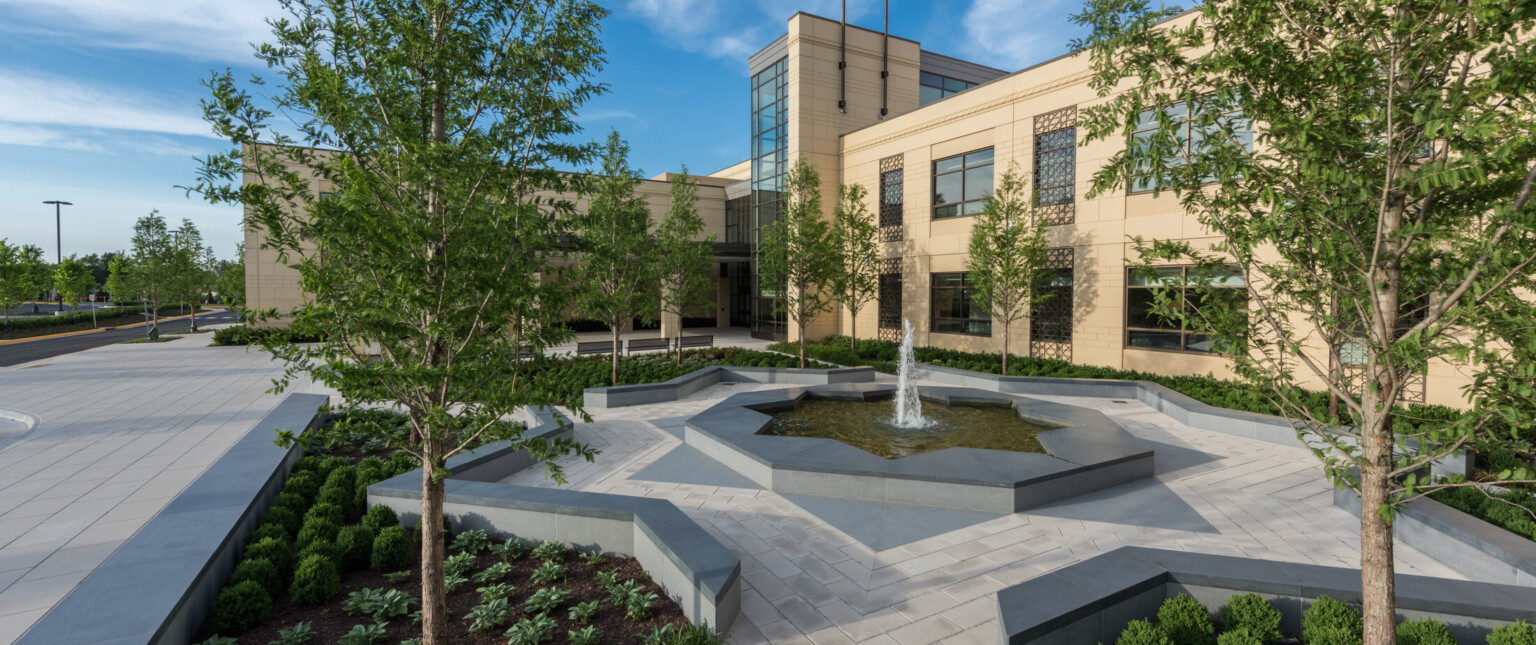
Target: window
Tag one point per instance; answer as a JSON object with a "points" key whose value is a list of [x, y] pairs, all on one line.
{"points": [[960, 183], [1055, 166], [1189, 135], [889, 306], [955, 310], [932, 87], [1146, 330], [890, 198], [1050, 322], [770, 160]]}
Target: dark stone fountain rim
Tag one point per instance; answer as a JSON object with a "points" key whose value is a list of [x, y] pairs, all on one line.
{"points": [[1087, 440]]}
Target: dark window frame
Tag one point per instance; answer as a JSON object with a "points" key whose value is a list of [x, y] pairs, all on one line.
{"points": [[1183, 332], [946, 87], [1069, 179], [963, 170], [967, 294]]}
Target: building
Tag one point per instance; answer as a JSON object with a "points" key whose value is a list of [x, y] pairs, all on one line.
{"points": [[927, 134]]}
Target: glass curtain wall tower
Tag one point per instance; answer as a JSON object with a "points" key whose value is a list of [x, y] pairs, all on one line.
{"points": [[770, 162]]}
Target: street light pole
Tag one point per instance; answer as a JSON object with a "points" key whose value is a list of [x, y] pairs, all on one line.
{"points": [[58, 229]]}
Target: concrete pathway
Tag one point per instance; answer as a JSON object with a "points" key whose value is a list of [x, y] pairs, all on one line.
{"points": [[806, 581], [123, 429]]}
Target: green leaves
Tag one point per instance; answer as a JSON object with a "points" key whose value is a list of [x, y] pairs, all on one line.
{"points": [[1008, 249], [795, 256], [855, 243]]}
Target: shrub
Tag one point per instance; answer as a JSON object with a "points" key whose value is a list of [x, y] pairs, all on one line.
{"points": [[342, 498], [364, 635], [262, 572], [473, 541], [583, 612], [401, 462], [316, 581], [588, 635], [317, 528], [512, 549], [498, 590], [1186, 621], [498, 571], [354, 547], [1141, 632], [300, 634], [1520, 633], [291, 501], [531, 631], [547, 573], [1331, 621], [240, 607], [268, 530], [379, 518], [391, 549], [325, 548], [343, 475], [327, 511], [546, 600], [304, 485], [639, 605], [1424, 632], [489, 614], [1239, 636], [275, 550], [284, 517], [1250, 611], [458, 563]]}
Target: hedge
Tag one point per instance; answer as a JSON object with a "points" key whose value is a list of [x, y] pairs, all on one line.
{"points": [[104, 318], [565, 379], [248, 335]]}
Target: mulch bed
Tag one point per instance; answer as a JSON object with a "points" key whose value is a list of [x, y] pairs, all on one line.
{"points": [[330, 622]]}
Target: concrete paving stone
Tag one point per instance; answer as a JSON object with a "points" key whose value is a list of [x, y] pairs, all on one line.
{"points": [[12, 626], [24, 596], [932, 629], [71, 560], [801, 613]]}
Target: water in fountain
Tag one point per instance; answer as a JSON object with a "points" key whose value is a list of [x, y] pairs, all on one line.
{"points": [[909, 408]]}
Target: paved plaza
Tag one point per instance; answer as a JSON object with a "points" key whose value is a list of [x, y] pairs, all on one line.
{"points": [[824, 570], [122, 430]]}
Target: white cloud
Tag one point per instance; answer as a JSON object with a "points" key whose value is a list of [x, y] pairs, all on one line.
{"points": [[60, 101], [697, 26], [198, 29], [593, 116], [1011, 35], [39, 137]]}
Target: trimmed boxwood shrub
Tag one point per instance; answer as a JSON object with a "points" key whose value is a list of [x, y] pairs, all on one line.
{"points": [[354, 547], [1424, 632], [315, 581], [1331, 621], [1186, 621], [1520, 633], [326, 511], [290, 501], [1239, 636], [341, 498], [1254, 613], [317, 528], [343, 476], [1141, 632], [278, 551], [330, 465], [240, 607], [266, 530], [326, 548], [379, 518], [248, 335], [285, 517], [262, 572], [391, 549], [304, 484]]}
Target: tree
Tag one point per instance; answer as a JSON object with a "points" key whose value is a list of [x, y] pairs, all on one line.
{"points": [[682, 262], [856, 281], [1380, 214], [119, 284], [230, 283], [73, 280], [796, 252], [190, 270], [18, 275], [614, 274], [429, 265], [154, 263], [99, 264], [1008, 251]]}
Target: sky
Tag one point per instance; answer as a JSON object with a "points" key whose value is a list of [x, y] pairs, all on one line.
{"points": [[99, 98]]}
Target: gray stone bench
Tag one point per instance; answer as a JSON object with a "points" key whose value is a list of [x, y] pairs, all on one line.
{"points": [[618, 396], [1092, 601], [594, 347], [685, 342], [648, 344], [1476, 548]]}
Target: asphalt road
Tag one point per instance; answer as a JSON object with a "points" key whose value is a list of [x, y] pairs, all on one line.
{"points": [[35, 350]]}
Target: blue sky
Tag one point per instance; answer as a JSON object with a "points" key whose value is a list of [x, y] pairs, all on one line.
{"points": [[98, 98]]}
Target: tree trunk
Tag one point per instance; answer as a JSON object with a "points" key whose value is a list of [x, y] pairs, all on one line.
{"points": [[434, 613], [853, 331], [801, 327], [1377, 570], [1005, 349], [614, 358]]}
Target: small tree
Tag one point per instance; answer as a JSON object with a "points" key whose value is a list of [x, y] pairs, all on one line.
{"points": [[1370, 167], [154, 263], [796, 254], [120, 273], [73, 280], [230, 281], [856, 282], [1008, 251], [428, 269], [614, 273], [682, 262], [18, 275], [190, 265]]}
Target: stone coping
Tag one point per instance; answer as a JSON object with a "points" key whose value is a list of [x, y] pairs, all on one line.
{"points": [[691, 566], [618, 396], [1090, 453], [1093, 600], [1472, 546], [159, 586], [15, 424], [1196, 414]]}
